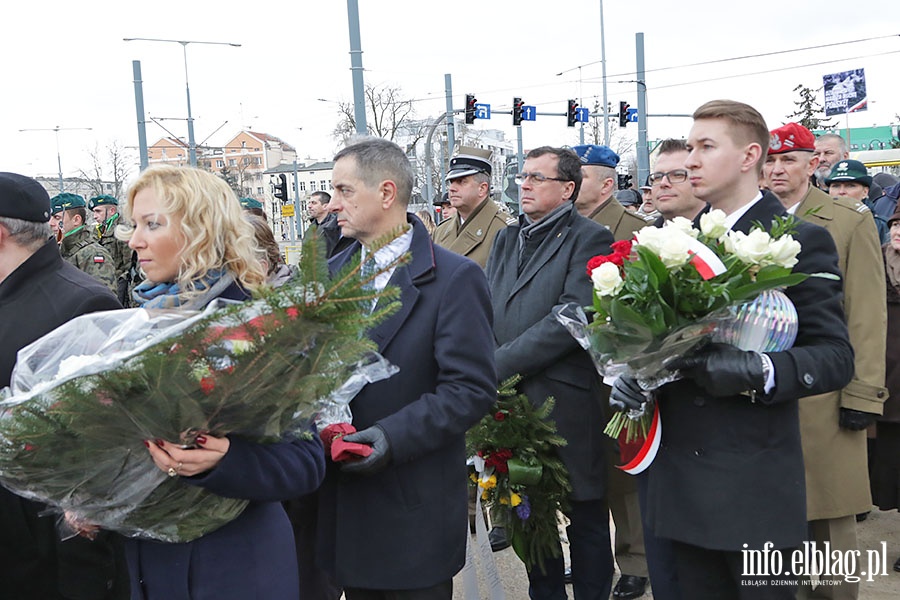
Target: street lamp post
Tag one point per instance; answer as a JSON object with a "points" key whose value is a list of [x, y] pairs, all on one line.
{"points": [[192, 146], [56, 130]]}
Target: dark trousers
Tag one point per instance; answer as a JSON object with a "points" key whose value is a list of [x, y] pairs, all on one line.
{"points": [[659, 551], [705, 574], [590, 549], [315, 584], [441, 591]]}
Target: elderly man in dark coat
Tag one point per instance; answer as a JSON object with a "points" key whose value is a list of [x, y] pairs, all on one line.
{"points": [[534, 266], [39, 291]]}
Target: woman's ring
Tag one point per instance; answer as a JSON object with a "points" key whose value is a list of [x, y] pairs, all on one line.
{"points": [[180, 464], [172, 472]]}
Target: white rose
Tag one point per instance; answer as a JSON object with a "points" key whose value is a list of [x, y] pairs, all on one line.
{"points": [[674, 248], [683, 225], [712, 224], [751, 248], [607, 280], [651, 237], [783, 251]]}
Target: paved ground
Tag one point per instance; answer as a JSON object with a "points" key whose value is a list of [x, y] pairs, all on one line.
{"points": [[879, 527]]}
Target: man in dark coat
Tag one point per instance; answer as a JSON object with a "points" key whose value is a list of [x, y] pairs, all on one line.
{"points": [[324, 223], [394, 525], [39, 291], [729, 476], [534, 266]]}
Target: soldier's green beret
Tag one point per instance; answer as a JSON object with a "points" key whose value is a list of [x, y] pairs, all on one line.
{"points": [[249, 203], [65, 201], [102, 200]]}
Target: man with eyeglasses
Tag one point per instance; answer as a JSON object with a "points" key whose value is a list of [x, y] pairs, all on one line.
{"points": [[596, 202], [670, 184], [478, 219], [535, 265], [833, 425]]}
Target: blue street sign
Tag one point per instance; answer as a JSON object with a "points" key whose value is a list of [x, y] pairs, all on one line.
{"points": [[529, 113], [482, 111], [631, 115], [582, 114]]}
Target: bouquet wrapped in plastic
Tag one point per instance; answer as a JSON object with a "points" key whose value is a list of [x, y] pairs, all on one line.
{"points": [[85, 397], [518, 471], [677, 287]]}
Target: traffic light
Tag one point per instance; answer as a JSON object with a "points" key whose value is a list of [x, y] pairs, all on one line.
{"points": [[570, 113], [624, 181], [470, 108], [517, 111], [623, 113], [280, 190]]}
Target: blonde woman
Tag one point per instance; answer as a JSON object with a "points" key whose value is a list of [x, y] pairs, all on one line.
{"points": [[193, 245]]}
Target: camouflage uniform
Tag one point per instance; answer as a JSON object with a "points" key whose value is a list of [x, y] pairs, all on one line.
{"points": [[121, 256], [79, 248]]}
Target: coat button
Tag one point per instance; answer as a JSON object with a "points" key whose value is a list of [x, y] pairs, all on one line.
{"points": [[808, 379], [699, 452]]}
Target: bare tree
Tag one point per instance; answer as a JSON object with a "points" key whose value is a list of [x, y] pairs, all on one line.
{"points": [[809, 110], [111, 165], [389, 114]]}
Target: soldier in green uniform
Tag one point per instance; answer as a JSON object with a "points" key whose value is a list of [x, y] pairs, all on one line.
{"points": [[78, 245], [595, 201], [253, 207], [478, 219], [595, 198], [833, 426], [106, 217]]}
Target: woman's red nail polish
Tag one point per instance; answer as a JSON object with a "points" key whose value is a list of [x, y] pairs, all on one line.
{"points": [[159, 443], [201, 439], [146, 443]]}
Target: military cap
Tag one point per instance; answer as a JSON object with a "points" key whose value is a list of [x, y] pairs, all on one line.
{"points": [[592, 154], [102, 200], [468, 161], [250, 203], [790, 137], [849, 170], [23, 198], [65, 201], [442, 199]]}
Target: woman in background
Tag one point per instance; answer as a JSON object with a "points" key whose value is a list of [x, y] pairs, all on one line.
{"points": [[194, 246]]}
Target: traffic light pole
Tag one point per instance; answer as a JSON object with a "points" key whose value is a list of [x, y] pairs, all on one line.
{"points": [[448, 86], [643, 152]]}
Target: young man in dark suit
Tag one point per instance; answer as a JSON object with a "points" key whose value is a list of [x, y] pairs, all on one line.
{"points": [[393, 525], [729, 474], [535, 265]]}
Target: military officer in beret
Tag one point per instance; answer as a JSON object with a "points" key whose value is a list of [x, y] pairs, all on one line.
{"points": [[478, 219], [39, 291], [596, 199], [106, 216], [253, 206], [832, 425], [597, 202], [78, 246]]}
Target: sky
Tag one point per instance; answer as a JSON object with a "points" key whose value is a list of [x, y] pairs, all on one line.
{"points": [[66, 65]]}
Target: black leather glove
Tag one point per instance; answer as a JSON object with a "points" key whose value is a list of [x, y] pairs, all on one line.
{"points": [[855, 420], [626, 394], [722, 369], [381, 451]]}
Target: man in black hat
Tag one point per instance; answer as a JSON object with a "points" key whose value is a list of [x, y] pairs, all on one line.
{"points": [[106, 216], [39, 291], [471, 232]]}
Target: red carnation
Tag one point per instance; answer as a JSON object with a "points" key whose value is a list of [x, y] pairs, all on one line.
{"points": [[596, 262], [499, 416], [207, 384]]}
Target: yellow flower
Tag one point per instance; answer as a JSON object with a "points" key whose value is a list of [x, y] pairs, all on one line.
{"points": [[504, 500], [484, 495], [473, 477], [515, 499], [488, 483]]}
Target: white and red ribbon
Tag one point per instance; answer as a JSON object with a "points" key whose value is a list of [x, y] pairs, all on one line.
{"points": [[649, 448]]}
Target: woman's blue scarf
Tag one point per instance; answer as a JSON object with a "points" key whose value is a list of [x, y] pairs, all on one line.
{"points": [[150, 294]]}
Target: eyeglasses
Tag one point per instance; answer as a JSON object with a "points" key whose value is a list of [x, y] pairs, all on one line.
{"points": [[536, 178], [675, 176]]}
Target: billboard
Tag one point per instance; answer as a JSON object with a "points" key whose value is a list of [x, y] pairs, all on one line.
{"points": [[845, 92]]}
